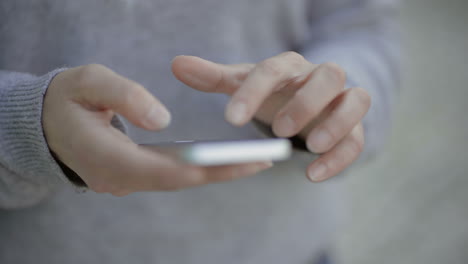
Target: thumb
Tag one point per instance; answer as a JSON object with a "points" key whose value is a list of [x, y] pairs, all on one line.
{"points": [[104, 89], [207, 76]]}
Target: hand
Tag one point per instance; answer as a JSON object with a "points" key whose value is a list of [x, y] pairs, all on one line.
{"points": [[78, 108], [295, 97]]}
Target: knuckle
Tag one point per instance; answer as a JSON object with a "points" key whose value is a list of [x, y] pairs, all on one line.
{"points": [[334, 71], [323, 148], [293, 57], [95, 67], [87, 74], [332, 133], [355, 146], [363, 97], [221, 81], [340, 160], [91, 69], [270, 67], [302, 102]]}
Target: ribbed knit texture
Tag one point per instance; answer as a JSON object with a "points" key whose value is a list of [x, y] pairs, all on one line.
{"points": [[29, 171]]}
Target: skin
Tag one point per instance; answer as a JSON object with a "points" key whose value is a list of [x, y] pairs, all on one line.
{"points": [[287, 92]]}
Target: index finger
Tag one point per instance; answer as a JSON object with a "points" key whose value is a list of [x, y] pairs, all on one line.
{"points": [[268, 76], [207, 76]]}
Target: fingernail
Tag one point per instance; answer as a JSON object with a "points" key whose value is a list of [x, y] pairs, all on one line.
{"points": [[157, 118], [317, 173], [319, 140], [236, 113], [285, 126]]}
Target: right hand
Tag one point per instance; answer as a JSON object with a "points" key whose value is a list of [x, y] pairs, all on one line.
{"points": [[77, 113]]}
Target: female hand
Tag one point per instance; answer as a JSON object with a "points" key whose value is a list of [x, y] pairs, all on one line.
{"points": [[77, 112], [295, 97]]}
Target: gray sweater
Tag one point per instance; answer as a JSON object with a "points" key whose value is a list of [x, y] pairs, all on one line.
{"points": [[273, 217]]}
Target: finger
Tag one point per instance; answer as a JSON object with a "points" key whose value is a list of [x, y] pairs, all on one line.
{"points": [[232, 172], [102, 88], [106, 159], [185, 176], [324, 84], [117, 165], [349, 109], [268, 76], [175, 175], [208, 76], [121, 167], [339, 158]]}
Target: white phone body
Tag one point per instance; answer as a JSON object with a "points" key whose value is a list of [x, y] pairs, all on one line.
{"points": [[212, 153]]}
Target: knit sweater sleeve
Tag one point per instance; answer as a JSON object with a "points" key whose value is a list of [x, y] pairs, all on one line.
{"points": [[362, 36], [28, 172]]}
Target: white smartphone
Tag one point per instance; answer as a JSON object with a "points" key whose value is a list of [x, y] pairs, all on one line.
{"points": [[211, 153]]}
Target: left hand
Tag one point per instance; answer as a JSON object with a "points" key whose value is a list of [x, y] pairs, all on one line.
{"points": [[295, 97]]}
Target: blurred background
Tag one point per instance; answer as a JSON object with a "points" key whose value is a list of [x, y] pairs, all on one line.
{"points": [[411, 204]]}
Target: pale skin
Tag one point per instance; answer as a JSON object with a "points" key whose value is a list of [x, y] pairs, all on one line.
{"points": [[292, 95]]}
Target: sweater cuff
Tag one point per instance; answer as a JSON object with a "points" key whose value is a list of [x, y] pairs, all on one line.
{"points": [[22, 135], [23, 138]]}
